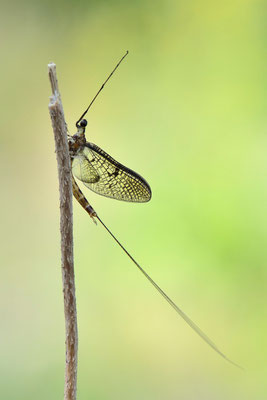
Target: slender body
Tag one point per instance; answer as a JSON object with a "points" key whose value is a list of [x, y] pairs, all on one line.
{"points": [[105, 176], [79, 196]]}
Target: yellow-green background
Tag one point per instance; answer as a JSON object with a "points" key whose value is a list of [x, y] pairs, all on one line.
{"points": [[187, 110]]}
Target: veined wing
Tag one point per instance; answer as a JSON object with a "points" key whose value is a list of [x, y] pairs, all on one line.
{"points": [[106, 176], [83, 169]]}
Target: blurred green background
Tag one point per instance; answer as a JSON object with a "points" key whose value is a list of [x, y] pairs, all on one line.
{"points": [[187, 110]]}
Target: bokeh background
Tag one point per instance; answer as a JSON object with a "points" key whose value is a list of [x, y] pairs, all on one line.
{"points": [[187, 110]]}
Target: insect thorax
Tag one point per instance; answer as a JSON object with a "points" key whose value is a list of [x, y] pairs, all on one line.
{"points": [[76, 143]]}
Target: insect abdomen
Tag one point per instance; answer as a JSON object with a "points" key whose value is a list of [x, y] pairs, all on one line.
{"points": [[79, 196]]}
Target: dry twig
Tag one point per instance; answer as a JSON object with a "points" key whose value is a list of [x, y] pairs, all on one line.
{"points": [[66, 231]]}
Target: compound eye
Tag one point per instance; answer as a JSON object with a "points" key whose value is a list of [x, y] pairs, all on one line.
{"points": [[83, 123]]}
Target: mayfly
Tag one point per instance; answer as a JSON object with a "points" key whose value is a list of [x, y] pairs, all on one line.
{"points": [[107, 177]]}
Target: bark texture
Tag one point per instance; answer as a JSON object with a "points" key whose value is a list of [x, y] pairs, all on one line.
{"points": [[66, 232]]}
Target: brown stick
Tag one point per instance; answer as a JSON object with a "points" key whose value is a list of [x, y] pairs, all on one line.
{"points": [[66, 231]]}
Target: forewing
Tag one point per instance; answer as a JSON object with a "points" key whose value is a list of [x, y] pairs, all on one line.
{"points": [[114, 179]]}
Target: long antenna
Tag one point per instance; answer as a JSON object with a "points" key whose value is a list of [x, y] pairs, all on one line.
{"points": [[102, 87], [172, 304]]}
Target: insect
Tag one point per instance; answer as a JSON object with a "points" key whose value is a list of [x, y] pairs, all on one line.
{"points": [[106, 176]]}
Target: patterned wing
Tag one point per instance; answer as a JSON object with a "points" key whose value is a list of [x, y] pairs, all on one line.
{"points": [[83, 169], [104, 175]]}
